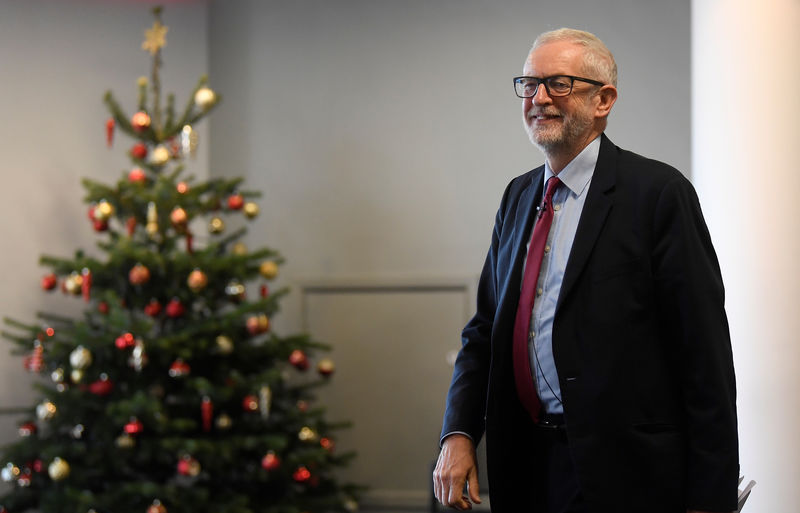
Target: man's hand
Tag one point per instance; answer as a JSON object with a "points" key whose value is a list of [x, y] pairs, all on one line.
{"points": [[457, 465]]}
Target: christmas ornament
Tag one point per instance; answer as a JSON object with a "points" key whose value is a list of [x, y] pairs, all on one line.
{"points": [[27, 429], [49, 282], [155, 38], [10, 472], [58, 469], [307, 434], [299, 359], [152, 220], [86, 284], [327, 444], [223, 421], [179, 369], [80, 358], [139, 151], [110, 123], [103, 211], [137, 175], [139, 275], [326, 367], [160, 155], [100, 226], [77, 432], [76, 375], [35, 362], [264, 291], [153, 308], [188, 140], [302, 406], [264, 401], [57, 375], [24, 480], [125, 341], [140, 121], [175, 308], [216, 225], [125, 441], [188, 466], [257, 324], [301, 475], [206, 413], [102, 386], [102, 307], [138, 358], [239, 249], [189, 242], [235, 290], [134, 426], [73, 283], [224, 344], [268, 269], [235, 202], [250, 403], [350, 505], [250, 210], [179, 217], [197, 280], [182, 187], [156, 507], [270, 461], [130, 225], [205, 98]]}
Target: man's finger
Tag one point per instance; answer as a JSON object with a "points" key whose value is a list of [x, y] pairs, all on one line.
{"points": [[472, 487]]}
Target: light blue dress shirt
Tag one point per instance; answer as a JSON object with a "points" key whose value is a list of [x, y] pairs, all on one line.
{"points": [[567, 207]]}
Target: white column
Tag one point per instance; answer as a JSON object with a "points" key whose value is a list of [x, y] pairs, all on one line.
{"points": [[746, 167]]}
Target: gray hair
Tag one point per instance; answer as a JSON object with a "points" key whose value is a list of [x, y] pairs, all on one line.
{"points": [[598, 61]]}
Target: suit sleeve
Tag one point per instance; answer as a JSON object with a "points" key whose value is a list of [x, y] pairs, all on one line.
{"points": [[466, 399], [691, 300]]}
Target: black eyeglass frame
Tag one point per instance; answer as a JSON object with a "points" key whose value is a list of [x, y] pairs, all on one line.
{"points": [[540, 81]]}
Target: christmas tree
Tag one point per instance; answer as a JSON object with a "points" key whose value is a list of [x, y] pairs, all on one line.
{"points": [[171, 393]]}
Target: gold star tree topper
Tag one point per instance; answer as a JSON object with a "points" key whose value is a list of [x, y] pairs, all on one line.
{"points": [[155, 38]]}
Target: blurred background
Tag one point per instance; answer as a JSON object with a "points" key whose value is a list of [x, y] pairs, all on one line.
{"points": [[382, 135]]}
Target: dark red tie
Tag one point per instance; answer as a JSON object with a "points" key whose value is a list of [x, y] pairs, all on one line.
{"points": [[522, 362]]}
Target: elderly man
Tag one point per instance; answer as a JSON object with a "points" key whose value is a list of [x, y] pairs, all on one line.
{"points": [[598, 362]]}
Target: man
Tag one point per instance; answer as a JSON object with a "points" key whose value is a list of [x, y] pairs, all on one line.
{"points": [[598, 362]]}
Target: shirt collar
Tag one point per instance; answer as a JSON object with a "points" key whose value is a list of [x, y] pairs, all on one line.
{"points": [[578, 173]]}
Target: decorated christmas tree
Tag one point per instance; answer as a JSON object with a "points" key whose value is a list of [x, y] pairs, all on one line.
{"points": [[171, 393]]}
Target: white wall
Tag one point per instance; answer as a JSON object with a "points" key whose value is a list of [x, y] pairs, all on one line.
{"points": [[57, 59], [745, 135]]}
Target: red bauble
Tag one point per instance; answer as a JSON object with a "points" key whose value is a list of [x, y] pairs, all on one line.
{"points": [[301, 475], [134, 427], [102, 307], [271, 461], [264, 291], [250, 403], [188, 466], [101, 387], [179, 369], [326, 367], [299, 359], [27, 429], [137, 175], [139, 275], [86, 284], [100, 225], [125, 341], [49, 282], [175, 308], [140, 121], [235, 201], [153, 308], [207, 413], [139, 151], [327, 443]]}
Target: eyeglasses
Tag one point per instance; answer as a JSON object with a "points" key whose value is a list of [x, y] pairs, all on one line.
{"points": [[557, 85]]}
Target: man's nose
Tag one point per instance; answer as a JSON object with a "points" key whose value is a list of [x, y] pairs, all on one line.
{"points": [[540, 97]]}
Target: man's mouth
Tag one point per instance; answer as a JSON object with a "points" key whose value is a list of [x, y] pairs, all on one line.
{"points": [[542, 116]]}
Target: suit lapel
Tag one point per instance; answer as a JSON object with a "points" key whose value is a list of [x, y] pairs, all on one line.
{"points": [[595, 211]]}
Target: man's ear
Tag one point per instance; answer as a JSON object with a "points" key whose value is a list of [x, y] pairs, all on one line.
{"points": [[608, 96]]}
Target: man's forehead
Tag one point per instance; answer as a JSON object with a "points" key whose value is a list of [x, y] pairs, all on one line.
{"points": [[557, 57]]}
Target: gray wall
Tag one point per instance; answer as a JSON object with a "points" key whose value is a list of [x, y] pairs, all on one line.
{"points": [[383, 135]]}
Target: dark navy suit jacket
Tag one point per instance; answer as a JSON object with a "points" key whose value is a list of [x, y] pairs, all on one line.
{"points": [[640, 341]]}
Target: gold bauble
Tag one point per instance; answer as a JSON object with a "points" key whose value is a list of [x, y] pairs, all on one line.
{"points": [[205, 97], [216, 225], [73, 283], [160, 155], [239, 249], [46, 410], [76, 375], [103, 211], [179, 217], [58, 469], [80, 358], [223, 421], [125, 441], [268, 269], [225, 344], [307, 434], [235, 290], [197, 280], [250, 209]]}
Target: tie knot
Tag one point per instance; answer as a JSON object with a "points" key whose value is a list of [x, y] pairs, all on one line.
{"points": [[552, 184]]}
